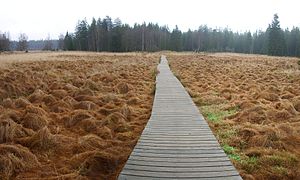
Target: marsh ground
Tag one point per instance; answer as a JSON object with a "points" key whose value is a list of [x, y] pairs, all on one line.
{"points": [[252, 104], [78, 115], [72, 114]]}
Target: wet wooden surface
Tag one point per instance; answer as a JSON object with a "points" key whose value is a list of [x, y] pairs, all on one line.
{"points": [[176, 143]]}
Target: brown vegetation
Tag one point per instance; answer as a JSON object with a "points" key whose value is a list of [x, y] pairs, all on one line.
{"points": [[72, 115], [252, 104]]}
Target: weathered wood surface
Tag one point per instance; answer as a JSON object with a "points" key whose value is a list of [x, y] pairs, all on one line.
{"points": [[176, 143]]}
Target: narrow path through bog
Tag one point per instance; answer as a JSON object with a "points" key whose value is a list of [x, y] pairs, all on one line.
{"points": [[177, 143]]}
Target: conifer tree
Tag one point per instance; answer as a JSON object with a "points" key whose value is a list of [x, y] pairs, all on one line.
{"points": [[276, 41]]}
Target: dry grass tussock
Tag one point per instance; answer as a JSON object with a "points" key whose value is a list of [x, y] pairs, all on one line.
{"points": [[252, 103], [72, 115]]}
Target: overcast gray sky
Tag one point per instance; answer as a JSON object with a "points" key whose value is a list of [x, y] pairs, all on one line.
{"points": [[38, 18]]}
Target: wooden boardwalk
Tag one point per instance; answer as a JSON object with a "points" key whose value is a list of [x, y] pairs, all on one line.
{"points": [[177, 143]]}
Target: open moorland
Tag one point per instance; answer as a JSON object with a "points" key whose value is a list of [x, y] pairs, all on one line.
{"points": [[72, 115], [252, 104]]}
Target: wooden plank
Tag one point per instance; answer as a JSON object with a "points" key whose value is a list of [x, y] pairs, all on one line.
{"points": [[177, 129], [178, 174], [187, 169], [180, 138], [183, 134], [199, 131], [177, 142], [195, 141], [179, 164], [177, 124], [177, 151], [183, 131], [177, 116], [177, 136], [138, 177], [174, 112], [200, 160], [179, 145], [189, 155], [176, 132], [140, 146], [183, 142], [179, 133]]}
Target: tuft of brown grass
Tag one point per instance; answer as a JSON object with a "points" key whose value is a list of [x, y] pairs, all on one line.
{"points": [[116, 122], [99, 164], [21, 102], [77, 116], [15, 159], [34, 121], [87, 105], [42, 140], [36, 96], [127, 112], [10, 130], [92, 142], [7, 103], [123, 88]]}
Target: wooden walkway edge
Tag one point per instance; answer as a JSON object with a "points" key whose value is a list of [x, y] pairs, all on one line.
{"points": [[176, 143]]}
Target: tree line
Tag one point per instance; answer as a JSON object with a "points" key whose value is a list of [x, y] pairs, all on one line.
{"points": [[114, 36], [107, 35], [23, 44]]}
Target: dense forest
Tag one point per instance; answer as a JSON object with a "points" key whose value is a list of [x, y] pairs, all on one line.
{"points": [[114, 36]]}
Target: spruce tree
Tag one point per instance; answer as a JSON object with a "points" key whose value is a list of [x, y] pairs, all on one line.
{"points": [[276, 40], [81, 35], [4, 42], [68, 42], [176, 39]]}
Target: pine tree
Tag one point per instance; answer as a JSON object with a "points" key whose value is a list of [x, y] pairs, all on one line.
{"points": [[276, 41], [116, 36], [106, 26], [293, 41], [68, 42], [92, 36], [81, 35], [4, 42], [176, 39]]}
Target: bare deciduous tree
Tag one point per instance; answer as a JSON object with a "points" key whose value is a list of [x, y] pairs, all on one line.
{"points": [[48, 44], [23, 42], [61, 42]]}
